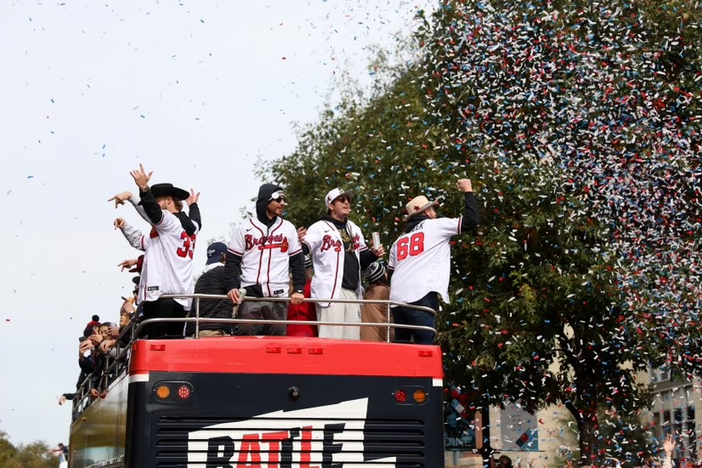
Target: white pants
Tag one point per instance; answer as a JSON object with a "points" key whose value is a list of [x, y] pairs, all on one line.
{"points": [[349, 313]]}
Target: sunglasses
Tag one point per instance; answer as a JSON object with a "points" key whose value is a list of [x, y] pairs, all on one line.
{"points": [[277, 196], [343, 199]]}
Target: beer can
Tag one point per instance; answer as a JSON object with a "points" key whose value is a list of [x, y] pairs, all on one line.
{"points": [[376, 240]]}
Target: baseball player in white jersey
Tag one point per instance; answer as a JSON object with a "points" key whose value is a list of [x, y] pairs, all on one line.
{"points": [[262, 253], [168, 250], [420, 262], [339, 252]]}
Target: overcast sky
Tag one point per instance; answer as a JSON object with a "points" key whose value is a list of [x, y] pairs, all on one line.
{"points": [[194, 90]]}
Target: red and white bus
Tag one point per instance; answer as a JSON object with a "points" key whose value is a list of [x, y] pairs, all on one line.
{"points": [[265, 401]]}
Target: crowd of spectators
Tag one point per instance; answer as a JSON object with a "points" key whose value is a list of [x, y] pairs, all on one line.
{"points": [[98, 349]]}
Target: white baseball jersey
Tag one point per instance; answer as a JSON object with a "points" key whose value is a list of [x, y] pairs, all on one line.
{"points": [[327, 249], [168, 259], [265, 254], [421, 260]]}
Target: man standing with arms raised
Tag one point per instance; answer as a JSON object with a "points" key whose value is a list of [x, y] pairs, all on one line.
{"points": [[168, 249], [339, 252], [420, 261], [263, 251]]}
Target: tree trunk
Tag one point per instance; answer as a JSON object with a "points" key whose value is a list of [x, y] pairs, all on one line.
{"points": [[588, 425], [589, 443]]}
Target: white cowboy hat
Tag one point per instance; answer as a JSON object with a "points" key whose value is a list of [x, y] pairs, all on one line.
{"points": [[418, 205]]}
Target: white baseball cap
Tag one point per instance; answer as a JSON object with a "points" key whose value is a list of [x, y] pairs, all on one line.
{"points": [[333, 195]]}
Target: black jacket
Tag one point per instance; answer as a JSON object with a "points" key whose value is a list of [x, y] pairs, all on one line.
{"points": [[212, 282]]}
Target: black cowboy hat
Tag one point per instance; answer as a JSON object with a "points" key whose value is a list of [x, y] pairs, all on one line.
{"points": [[168, 190]]}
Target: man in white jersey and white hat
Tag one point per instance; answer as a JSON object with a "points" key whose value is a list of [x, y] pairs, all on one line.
{"points": [[339, 253], [420, 262], [262, 253], [168, 249]]}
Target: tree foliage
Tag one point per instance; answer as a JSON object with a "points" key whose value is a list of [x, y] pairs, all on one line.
{"points": [[34, 455], [579, 124]]}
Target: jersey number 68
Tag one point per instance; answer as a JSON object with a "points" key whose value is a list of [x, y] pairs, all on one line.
{"points": [[412, 246]]}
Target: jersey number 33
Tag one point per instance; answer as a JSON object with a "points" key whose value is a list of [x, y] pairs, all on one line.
{"points": [[186, 250]]}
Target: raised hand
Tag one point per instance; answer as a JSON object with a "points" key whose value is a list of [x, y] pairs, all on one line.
{"points": [[141, 177], [464, 185], [193, 198], [669, 444]]}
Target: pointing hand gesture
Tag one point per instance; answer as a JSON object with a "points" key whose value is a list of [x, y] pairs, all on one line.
{"points": [[120, 198]]}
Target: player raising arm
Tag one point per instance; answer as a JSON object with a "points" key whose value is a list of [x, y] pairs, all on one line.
{"points": [[168, 250], [420, 261]]}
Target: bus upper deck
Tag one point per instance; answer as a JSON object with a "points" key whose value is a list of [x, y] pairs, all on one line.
{"points": [[265, 401]]}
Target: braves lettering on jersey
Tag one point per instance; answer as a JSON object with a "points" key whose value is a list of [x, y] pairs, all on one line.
{"points": [[421, 260], [327, 248], [168, 259], [265, 254]]}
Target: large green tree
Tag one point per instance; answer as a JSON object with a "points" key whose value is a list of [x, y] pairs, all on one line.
{"points": [[579, 125]]}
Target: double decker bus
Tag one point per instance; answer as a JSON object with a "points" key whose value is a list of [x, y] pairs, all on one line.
{"points": [[264, 401]]}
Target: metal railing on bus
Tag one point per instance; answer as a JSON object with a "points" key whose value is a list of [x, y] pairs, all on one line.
{"points": [[114, 366], [388, 325]]}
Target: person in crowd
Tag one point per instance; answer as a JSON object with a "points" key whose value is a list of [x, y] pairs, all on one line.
{"points": [[303, 311], [212, 282], [104, 355], [168, 250], [94, 322], [126, 313], [262, 253], [420, 261], [106, 329], [503, 461], [88, 343], [378, 289], [87, 356], [339, 253], [62, 453]]}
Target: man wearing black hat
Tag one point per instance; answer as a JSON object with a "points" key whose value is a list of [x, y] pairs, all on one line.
{"points": [[212, 282], [264, 250], [168, 250]]}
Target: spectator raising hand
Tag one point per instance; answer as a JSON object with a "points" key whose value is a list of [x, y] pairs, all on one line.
{"points": [[668, 448]]}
